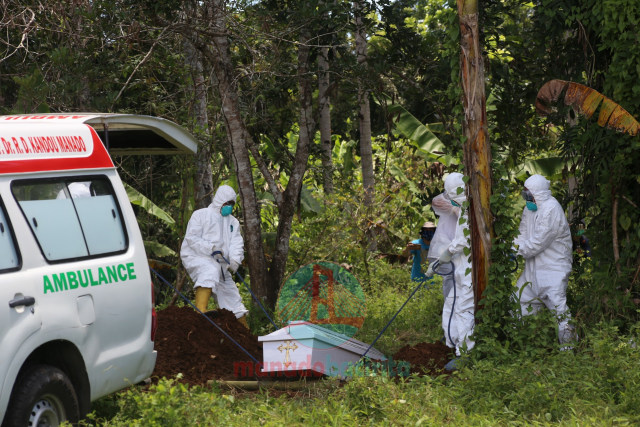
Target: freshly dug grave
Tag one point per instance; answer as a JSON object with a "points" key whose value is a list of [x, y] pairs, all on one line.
{"points": [[188, 343], [425, 358]]}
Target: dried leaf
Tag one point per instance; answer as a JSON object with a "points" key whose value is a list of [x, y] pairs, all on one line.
{"points": [[586, 101]]}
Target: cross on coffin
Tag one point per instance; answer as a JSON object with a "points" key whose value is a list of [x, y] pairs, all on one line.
{"points": [[287, 347]]}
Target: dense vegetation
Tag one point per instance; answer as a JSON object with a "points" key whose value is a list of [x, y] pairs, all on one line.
{"points": [[157, 58]]}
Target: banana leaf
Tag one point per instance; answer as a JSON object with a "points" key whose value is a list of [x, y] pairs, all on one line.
{"points": [[309, 203], [421, 135], [138, 199], [157, 249], [548, 166], [586, 101], [343, 155]]}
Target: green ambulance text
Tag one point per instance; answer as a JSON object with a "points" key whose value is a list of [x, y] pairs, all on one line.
{"points": [[90, 277]]}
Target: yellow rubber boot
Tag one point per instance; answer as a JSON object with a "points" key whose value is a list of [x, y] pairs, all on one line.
{"points": [[202, 298], [243, 320]]}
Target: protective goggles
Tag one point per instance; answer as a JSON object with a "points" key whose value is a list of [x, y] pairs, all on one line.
{"points": [[527, 196], [229, 203], [453, 203]]}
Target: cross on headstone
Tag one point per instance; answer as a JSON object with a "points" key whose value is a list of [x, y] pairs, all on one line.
{"points": [[287, 347]]}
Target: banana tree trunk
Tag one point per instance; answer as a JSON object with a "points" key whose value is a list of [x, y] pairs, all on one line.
{"points": [[477, 150]]}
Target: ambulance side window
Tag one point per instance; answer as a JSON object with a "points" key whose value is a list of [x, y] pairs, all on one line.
{"points": [[72, 219], [9, 259]]}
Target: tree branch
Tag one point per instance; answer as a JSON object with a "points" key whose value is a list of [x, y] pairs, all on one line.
{"points": [[271, 182], [138, 67], [614, 230], [23, 38]]}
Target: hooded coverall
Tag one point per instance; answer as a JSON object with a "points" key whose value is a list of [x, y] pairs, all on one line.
{"points": [[458, 333], [545, 243], [444, 235], [208, 231]]}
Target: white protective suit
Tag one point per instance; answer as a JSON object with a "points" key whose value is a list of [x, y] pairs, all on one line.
{"points": [[545, 243], [209, 231], [458, 333], [443, 236]]}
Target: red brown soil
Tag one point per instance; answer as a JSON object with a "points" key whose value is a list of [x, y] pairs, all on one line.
{"points": [[425, 358], [189, 344]]}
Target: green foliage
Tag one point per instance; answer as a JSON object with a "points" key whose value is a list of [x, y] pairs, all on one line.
{"points": [[120, 58], [606, 174], [169, 402], [139, 199], [496, 320], [402, 204], [387, 289], [599, 384], [614, 23], [422, 136]]}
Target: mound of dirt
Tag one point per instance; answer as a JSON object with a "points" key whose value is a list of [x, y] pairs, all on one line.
{"points": [[188, 343], [426, 358]]}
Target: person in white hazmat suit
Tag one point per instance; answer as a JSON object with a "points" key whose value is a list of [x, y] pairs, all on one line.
{"points": [[442, 238], [545, 243], [458, 311], [213, 235]]}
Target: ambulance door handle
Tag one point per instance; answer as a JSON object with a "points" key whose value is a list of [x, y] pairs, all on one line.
{"points": [[24, 300]]}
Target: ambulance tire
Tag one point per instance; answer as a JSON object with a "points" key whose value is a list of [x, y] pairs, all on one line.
{"points": [[43, 395]]}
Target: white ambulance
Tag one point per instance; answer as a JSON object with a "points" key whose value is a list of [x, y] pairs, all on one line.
{"points": [[76, 299]]}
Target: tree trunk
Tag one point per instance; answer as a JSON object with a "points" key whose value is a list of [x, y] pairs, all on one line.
{"points": [[364, 115], [265, 282], [477, 151], [292, 192], [324, 103], [237, 136], [203, 182]]}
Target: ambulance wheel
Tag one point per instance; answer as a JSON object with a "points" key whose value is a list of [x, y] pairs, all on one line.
{"points": [[42, 396]]}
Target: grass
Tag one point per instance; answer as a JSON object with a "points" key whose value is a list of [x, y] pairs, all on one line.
{"points": [[596, 384], [599, 385]]}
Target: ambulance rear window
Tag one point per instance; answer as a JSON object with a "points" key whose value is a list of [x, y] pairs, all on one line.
{"points": [[72, 218], [10, 259]]}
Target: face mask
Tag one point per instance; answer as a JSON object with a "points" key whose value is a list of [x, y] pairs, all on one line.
{"points": [[527, 196], [427, 235], [532, 206], [226, 210], [455, 204]]}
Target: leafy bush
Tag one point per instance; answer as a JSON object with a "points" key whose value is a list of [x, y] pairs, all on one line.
{"points": [[598, 384]]}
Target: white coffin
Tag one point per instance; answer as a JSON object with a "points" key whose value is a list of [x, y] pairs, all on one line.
{"points": [[303, 346]]}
